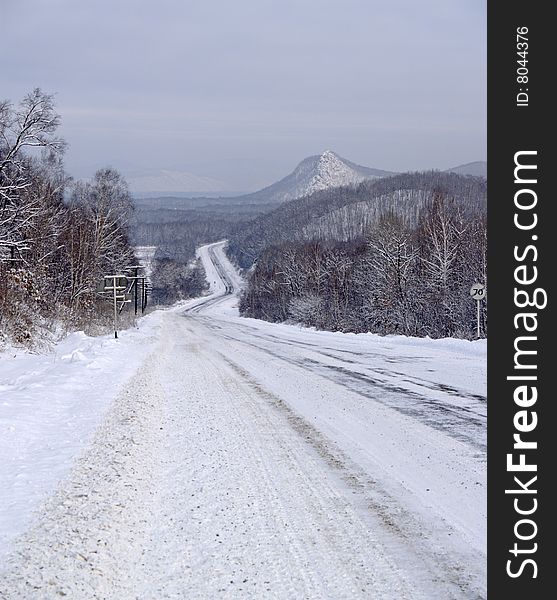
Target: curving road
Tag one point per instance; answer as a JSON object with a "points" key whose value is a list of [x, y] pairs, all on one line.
{"points": [[255, 460]]}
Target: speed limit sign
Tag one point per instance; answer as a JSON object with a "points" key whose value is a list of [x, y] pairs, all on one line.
{"points": [[478, 291]]}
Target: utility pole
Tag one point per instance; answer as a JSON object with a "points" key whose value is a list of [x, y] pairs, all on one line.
{"points": [[136, 274], [118, 289], [134, 287], [143, 295], [478, 318], [115, 308], [116, 285]]}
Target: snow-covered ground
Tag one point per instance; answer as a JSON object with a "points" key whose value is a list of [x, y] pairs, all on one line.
{"points": [[248, 460], [51, 404]]}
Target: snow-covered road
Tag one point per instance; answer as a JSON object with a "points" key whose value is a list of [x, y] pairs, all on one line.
{"points": [[255, 460]]}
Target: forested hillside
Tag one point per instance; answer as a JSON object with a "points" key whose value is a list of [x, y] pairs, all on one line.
{"points": [[396, 255], [57, 238], [179, 226], [348, 212]]}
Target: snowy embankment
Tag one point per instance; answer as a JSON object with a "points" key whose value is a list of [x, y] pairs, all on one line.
{"points": [[50, 405]]}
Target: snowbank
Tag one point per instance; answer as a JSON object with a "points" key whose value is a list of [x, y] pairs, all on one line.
{"points": [[50, 405]]}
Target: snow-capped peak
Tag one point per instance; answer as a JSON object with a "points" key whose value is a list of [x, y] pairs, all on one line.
{"points": [[332, 171], [319, 172]]}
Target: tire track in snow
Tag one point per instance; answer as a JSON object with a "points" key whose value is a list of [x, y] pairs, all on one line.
{"points": [[254, 512], [402, 533], [460, 422], [458, 478]]}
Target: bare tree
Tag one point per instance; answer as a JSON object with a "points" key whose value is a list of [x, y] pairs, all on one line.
{"points": [[443, 228], [98, 240], [29, 126], [53, 253]]}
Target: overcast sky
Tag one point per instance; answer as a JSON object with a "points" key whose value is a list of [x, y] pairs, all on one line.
{"points": [[242, 90]]}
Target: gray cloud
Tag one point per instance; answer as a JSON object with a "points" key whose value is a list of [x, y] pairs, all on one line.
{"points": [[241, 90]]}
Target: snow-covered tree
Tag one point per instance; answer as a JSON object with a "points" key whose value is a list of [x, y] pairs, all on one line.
{"points": [[52, 254], [30, 126], [98, 241]]}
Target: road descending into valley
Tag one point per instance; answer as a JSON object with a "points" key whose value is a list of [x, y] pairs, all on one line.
{"points": [[257, 460]]}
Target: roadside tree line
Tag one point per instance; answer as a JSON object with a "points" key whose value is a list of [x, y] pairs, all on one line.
{"points": [[57, 237], [348, 213], [175, 280], [400, 278]]}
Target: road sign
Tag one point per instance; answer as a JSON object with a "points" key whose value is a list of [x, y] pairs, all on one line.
{"points": [[478, 291]]}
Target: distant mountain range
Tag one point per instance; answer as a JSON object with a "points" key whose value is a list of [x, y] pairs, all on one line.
{"points": [[314, 173], [478, 169], [320, 172]]}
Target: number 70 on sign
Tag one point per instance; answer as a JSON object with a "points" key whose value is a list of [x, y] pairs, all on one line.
{"points": [[478, 291]]}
